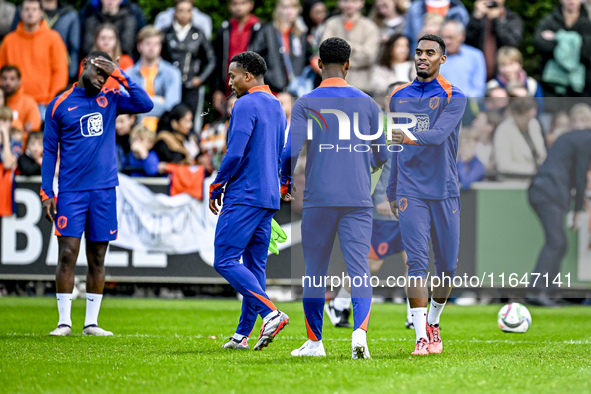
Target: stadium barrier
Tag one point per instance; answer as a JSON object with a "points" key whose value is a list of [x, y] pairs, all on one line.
{"points": [[500, 235]]}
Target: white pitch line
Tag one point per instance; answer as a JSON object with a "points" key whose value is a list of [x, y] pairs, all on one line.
{"points": [[473, 340]]}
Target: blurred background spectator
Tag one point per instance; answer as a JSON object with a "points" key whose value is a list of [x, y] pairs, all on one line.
{"points": [[580, 117], [449, 9], [116, 12], [25, 112], [282, 43], [29, 163], [564, 40], [7, 13], [432, 24], [160, 79], [39, 53], [483, 126], [165, 18], [470, 168], [510, 70], [559, 125], [123, 125], [234, 36], [141, 160], [492, 26], [314, 13], [214, 137], [187, 48], [64, 19], [363, 36], [394, 65], [175, 142], [518, 143], [388, 15], [464, 66], [9, 152], [107, 40]]}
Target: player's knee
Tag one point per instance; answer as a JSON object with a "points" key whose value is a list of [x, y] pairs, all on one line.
{"points": [[68, 256]]}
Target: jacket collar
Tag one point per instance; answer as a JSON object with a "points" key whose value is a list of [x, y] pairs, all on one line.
{"points": [[333, 82], [260, 88]]}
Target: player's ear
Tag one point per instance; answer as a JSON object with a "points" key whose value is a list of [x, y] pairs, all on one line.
{"points": [[319, 63], [442, 59], [347, 65]]}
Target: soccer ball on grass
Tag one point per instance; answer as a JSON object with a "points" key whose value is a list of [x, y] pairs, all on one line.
{"points": [[514, 317]]}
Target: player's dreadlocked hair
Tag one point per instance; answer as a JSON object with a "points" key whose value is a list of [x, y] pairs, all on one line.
{"points": [[251, 62], [96, 53], [436, 38], [334, 50]]}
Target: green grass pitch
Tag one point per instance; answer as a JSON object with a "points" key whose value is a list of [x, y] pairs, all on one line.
{"points": [[175, 346]]}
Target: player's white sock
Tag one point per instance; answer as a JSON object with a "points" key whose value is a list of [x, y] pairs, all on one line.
{"points": [[435, 312], [64, 307], [93, 306], [342, 300], [408, 314], [419, 319], [238, 337], [270, 315]]}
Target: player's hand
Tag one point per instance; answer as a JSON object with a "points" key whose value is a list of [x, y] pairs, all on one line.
{"points": [[287, 197], [575, 225], [49, 209], [104, 64], [397, 137], [394, 208], [212, 204], [383, 208]]}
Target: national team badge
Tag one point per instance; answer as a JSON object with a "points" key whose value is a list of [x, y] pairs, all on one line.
{"points": [[62, 222], [402, 204], [434, 102], [102, 101]]}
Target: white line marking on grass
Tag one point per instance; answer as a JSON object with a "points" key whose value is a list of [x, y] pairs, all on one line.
{"points": [[299, 338]]}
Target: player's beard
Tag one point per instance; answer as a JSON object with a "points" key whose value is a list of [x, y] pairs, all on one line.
{"points": [[422, 74]]}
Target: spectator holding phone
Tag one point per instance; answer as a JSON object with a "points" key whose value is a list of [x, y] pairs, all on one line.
{"points": [[491, 26]]}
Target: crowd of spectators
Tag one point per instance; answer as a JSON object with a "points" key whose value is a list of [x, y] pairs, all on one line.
{"points": [[183, 64]]}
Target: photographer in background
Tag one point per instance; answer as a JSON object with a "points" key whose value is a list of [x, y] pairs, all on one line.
{"points": [[491, 26]]}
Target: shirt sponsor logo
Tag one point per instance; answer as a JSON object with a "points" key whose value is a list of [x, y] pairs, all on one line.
{"points": [[91, 125]]}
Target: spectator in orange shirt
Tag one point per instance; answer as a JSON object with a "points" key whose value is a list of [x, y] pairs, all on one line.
{"points": [[106, 39], [25, 113], [39, 53]]}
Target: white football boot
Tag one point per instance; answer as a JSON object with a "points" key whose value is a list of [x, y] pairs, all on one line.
{"points": [[61, 331], [310, 349], [96, 330], [359, 344]]}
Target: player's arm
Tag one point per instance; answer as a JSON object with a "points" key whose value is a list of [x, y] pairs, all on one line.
{"points": [[137, 100], [393, 183], [240, 130], [445, 124], [582, 161], [295, 142], [378, 146], [50, 151]]}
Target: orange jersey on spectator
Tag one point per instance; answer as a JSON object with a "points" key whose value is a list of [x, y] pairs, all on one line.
{"points": [[42, 59], [125, 62], [25, 110]]}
